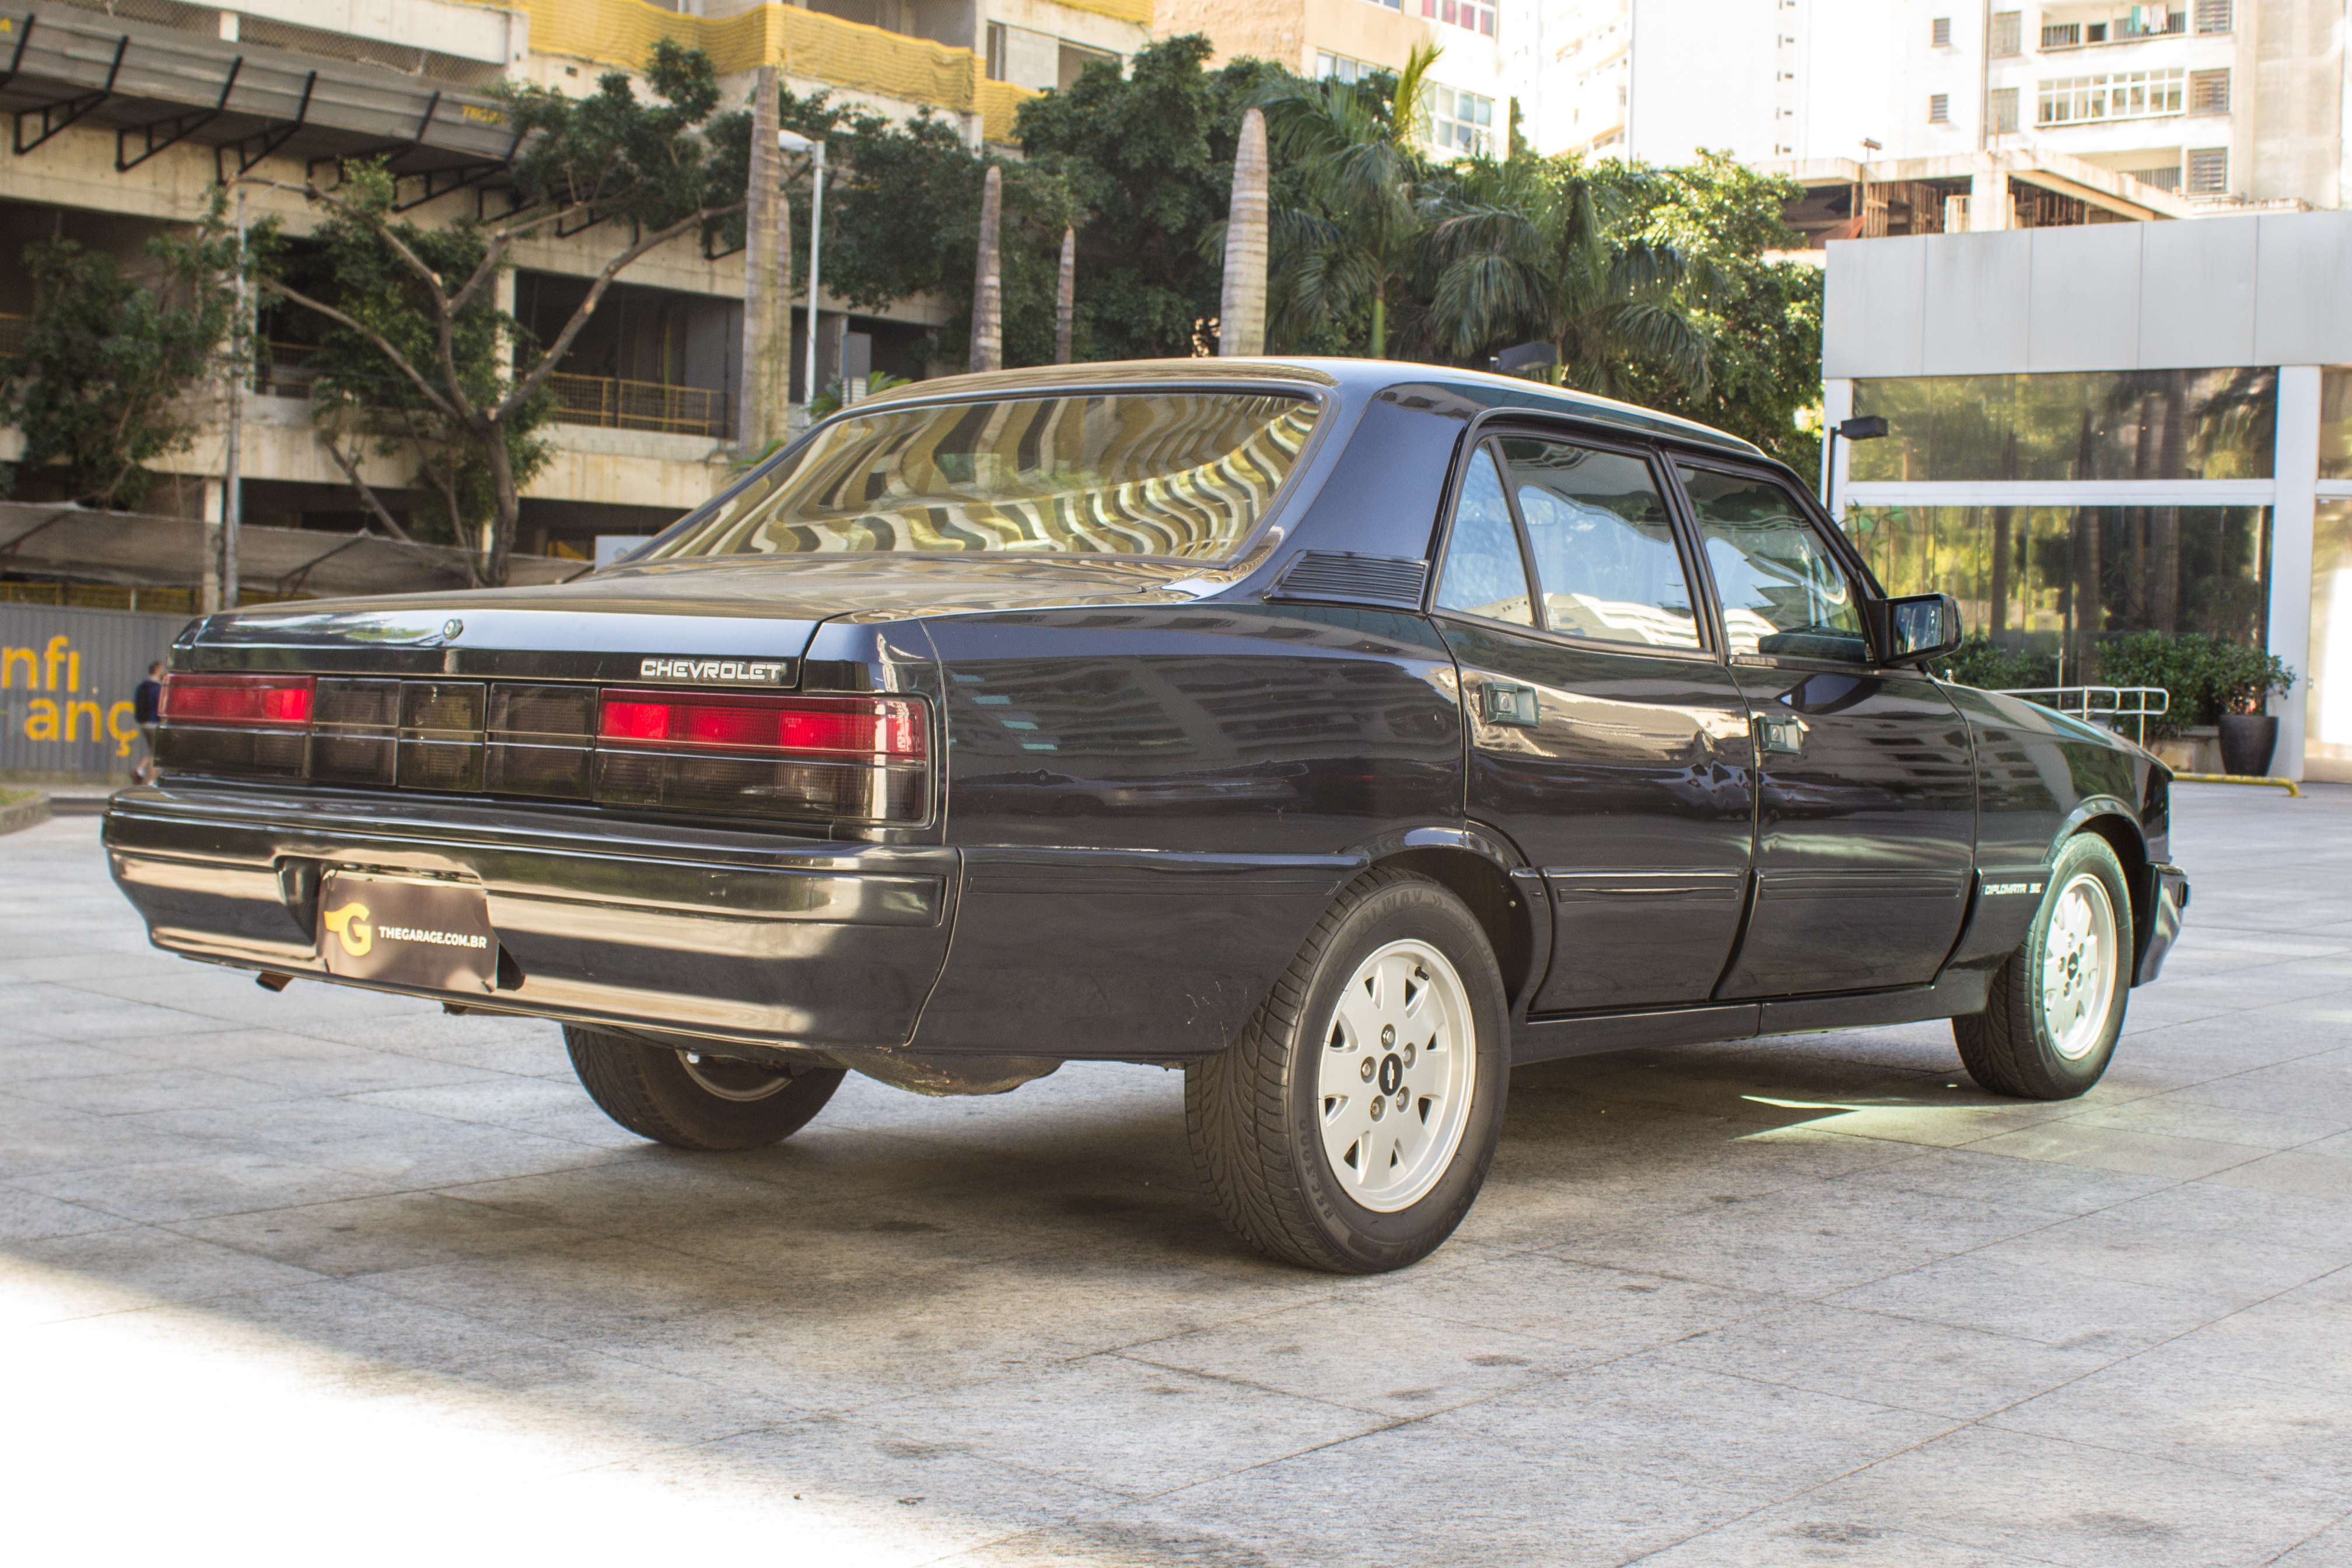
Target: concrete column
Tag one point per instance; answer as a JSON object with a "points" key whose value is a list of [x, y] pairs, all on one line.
{"points": [[2292, 512], [1989, 196]]}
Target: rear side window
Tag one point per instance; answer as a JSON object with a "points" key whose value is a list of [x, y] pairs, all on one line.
{"points": [[1603, 549], [1484, 574], [1783, 592]]}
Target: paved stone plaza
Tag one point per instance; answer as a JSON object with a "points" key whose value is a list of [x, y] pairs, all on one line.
{"points": [[334, 1274]]}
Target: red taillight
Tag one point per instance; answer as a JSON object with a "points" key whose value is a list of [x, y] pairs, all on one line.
{"points": [[876, 727], [276, 702]]}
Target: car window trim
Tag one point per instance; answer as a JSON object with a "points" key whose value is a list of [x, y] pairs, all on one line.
{"points": [[1841, 551], [1496, 422]]}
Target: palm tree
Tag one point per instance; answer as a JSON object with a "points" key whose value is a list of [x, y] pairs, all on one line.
{"points": [[1531, 250], [1355, 149], [988, 277], [1241, 320]]}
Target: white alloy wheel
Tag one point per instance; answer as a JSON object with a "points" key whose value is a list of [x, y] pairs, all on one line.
{"points": [[1396, 1077], [730, 1078], [2079, 960]]}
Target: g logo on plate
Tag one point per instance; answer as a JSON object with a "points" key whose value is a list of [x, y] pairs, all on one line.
{"points": [[351, 927]]}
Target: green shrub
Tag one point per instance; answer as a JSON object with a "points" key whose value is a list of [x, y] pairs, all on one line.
{"points": [[1981, 663], [2203, 676]]}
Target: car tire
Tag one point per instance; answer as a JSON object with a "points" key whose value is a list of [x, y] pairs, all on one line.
{"points": [[2057, 1002], [690, 1100], [1351, 1126]]}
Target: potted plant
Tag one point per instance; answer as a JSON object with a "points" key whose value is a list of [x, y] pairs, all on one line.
{"points": [[2238, 680]]}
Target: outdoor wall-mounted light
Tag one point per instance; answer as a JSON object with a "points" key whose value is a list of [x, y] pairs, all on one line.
{"points": [[1862, 428]]}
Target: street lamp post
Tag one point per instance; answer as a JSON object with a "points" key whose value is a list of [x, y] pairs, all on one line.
{"points": [[793, 141], [1863, 427]]}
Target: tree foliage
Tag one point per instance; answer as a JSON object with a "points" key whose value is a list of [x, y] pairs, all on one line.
{"points": [[1149, 161], [649, 173], [98, 388], [359, 403], [1342, 254], [1759, 317], [902, 221]]}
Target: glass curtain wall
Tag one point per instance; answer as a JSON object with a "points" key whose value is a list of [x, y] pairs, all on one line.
{"points": [[2100, 425], [2053, 580], [2327, 711]]}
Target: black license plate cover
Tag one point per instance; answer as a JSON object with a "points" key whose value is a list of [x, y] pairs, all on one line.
{"points": [[414, 931]]}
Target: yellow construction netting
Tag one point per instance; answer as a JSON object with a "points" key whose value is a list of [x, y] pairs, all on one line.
{"points": [[804, 44]]}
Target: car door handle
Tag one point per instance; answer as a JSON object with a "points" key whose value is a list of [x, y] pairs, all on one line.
{"points": [[1776, 733], [1513, 705]]}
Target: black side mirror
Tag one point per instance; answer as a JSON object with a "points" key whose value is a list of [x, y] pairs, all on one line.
{"points": [[1919, 627]]}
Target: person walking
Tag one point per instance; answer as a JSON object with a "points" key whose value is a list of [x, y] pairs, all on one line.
{"points": [[146, 708]]}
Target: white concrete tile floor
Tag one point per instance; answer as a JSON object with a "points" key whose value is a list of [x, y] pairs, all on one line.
{"points": [[334, 1274]]}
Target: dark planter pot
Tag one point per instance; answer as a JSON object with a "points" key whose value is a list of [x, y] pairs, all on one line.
{"points": [[2247, 742]]}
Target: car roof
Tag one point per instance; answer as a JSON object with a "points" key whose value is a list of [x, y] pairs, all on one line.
{"points": [[1357, 380]]}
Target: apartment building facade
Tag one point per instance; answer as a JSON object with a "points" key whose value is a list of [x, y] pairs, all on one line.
{"points": [[127, 112], [2227, 104], [1492, 52]]}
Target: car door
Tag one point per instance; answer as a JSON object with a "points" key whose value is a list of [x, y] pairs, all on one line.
{"points": [[1607, 738], [1866, 811]]}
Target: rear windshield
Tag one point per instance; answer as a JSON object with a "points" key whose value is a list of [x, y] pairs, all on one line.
{"points": [[1181, 474]]}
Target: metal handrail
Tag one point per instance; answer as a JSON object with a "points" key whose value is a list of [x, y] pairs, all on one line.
{"points": [[2107, 703]]}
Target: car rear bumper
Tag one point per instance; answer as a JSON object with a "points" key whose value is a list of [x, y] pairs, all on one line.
{"points": [[726, 934], [2164, 920]]}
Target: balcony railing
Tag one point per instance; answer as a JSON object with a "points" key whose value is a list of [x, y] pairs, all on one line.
{"points": [[606, 402], [615, 405]]}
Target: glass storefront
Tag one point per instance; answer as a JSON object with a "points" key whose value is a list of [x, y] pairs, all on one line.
{"points": [[2102, 424], [2336, 422], [2052, 580], [2327, 705]]}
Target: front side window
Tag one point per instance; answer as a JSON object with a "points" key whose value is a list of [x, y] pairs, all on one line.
{"points": [[1783, 593], [1183, 475], [1483, 574], [1603, 549]]}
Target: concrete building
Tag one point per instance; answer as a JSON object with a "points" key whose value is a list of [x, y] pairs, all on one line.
{"points": [[127, 112], [2224, 104], [1493, 51], [2110, 428]]}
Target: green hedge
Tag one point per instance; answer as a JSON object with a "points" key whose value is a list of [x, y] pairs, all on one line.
{"points": [[2204, 677]]}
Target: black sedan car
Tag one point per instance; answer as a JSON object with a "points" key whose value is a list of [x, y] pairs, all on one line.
{"points": [[1346, 732]]}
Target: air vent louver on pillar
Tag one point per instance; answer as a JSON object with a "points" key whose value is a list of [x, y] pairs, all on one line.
{"points": [[1344, 578]]}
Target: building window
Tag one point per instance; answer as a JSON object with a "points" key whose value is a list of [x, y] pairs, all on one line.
{"points": [[1460, 121], [2164, 179], [2007, 34], [2003, 104], [1340, 67], [2149, 22], [996, 51], [2061, 35], [1478, 15], [1940, 108], [2209, 170], [1076, 59], [2125, 95], [1939, 32], [2209, 92], [2213, 15]]}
